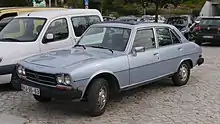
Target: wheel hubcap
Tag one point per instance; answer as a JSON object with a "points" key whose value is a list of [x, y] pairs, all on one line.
{"points": [[183, 73], [102, 98]]}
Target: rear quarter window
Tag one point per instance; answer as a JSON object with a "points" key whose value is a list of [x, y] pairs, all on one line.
{"points": [[210, 21]]}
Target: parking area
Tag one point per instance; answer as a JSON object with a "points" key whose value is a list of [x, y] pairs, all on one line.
{"points": [[157, 103]]}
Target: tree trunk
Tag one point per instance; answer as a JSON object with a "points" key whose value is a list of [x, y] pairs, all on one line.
{"points": [[157, 11]]}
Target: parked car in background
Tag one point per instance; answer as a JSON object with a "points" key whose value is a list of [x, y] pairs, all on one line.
{"points": [[8, 13], [110, 57], [151, 19], [208, 30], [109, 18], [127, 19], [38, 32], [183, 23]]}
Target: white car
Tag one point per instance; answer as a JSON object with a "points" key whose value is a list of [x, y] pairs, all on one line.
{"points": [[39, 32]]}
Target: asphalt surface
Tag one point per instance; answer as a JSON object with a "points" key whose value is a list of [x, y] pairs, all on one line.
{"points": [[156, 103]]}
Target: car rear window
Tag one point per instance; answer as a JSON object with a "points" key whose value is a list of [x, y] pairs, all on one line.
{"points": [[210, 21]]}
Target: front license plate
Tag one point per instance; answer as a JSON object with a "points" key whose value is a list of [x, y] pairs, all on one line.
{"points": [[29, 89], [207, 36]]}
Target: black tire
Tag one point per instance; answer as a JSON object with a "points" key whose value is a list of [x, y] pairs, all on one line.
{"points": [[177, 78], [93, 95], [198, 42], [15, 79], [42, 99]]}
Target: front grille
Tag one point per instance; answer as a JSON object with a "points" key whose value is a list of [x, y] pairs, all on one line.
{"points": [[40, 77]]}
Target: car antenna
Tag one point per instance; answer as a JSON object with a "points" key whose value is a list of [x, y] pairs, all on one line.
{"points": [[29, 14]]}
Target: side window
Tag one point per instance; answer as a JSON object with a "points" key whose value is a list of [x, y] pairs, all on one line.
{"points": [[59, 29], [145, 38], [163, 36], [93, 19], [80, 24], [175, 39]]}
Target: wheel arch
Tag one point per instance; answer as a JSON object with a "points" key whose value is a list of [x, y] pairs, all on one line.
{"points": [[186, 60], [112, 79]]}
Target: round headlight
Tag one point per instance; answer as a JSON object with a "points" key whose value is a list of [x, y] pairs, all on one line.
{"points": [[23, 71], [20, 69], [67, 80], [60, 79]]}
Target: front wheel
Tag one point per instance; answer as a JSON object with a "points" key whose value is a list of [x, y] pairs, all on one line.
{"points": [[181, 77], [42, 99], [97, 96]]}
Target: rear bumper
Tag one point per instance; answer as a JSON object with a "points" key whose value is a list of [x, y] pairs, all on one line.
{"points": [[202, 39], [51, 91]]}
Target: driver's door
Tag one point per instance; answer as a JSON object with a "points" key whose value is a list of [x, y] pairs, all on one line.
{"points": [[144, 63]]}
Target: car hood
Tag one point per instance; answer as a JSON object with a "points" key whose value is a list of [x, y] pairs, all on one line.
{"points": [[70, 57]]}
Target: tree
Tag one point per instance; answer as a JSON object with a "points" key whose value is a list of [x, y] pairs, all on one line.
{"points": [[9, 3], [162, 3]]}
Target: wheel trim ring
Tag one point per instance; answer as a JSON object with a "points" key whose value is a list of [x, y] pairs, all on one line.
{"points": [[183, 72], [102, 97]]}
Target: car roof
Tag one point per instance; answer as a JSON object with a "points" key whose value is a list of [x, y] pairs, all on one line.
{"points": [[130, 25], [56, 13]]}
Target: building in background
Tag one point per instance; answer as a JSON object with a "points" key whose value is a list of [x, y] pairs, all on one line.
{"points": [[211, 8]]}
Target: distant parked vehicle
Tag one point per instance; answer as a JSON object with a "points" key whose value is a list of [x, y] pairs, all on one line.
{"points": [[127, 19], [110, 57], [8, 13], [208, 30], [108, 18], [183, 23], [41, 31]]}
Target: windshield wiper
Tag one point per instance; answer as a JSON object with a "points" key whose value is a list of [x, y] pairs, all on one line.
{"points": [[101, 47], [77, 45], [10, 39]]}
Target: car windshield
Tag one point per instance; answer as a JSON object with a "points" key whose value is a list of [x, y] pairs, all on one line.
{"points": [[22, 30], [177, 21], [113, 38], [210, 21]]}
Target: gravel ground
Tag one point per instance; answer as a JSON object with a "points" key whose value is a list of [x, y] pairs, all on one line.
{"points": [[156, 103]]}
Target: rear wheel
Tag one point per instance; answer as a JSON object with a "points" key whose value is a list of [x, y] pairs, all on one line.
{"points": [[42, 99], [181, 77], [97, 96]]}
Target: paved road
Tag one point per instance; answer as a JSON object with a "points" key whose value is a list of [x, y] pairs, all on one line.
{"points": [[157, 103]]}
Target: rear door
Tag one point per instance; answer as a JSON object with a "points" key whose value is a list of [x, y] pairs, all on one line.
{"points": [[170, 50]]}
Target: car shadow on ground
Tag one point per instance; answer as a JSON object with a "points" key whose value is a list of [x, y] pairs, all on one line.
{"points": [[6, 87], [80, 108]]}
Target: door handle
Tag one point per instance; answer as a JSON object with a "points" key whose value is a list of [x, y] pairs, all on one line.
{"points": [[156, 54], [180, 48]]}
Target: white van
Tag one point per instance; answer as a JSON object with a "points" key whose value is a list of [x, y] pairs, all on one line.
{"points": [[41, 31]]}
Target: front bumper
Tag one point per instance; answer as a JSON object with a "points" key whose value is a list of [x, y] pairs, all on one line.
{"points": [[200, 61], [50, 91]]}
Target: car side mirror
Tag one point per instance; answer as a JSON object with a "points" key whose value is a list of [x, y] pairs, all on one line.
{"points": [[49, 37], [135, 50], [139, 49]]}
